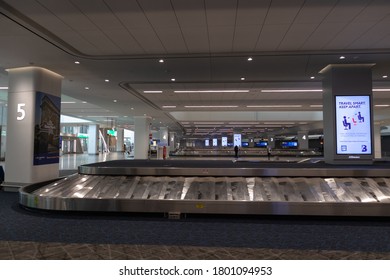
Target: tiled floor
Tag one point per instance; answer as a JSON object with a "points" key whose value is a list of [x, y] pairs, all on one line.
{"points": [[15, 250]]}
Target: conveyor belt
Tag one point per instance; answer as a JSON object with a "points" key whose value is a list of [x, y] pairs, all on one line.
{"points": [[223, 187], [223, 195]]}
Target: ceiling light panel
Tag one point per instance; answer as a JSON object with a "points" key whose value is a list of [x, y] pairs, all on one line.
{"points": [[212, 91]]}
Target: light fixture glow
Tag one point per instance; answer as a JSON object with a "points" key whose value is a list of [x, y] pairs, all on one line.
{"points": [[316, 106], [210, 91], [384, 76], [169, 106], [250, 58], [86, 88], [291, 90], [173, 79], [274, 106], [3, 87], [312, 77], [106, 80], [342, 57], [153, 91], [77, 62], [381, 89], [242, 79], [382, 105], [211, 106], [115, 100], [161, 61], [279, 123], [68, 102]]}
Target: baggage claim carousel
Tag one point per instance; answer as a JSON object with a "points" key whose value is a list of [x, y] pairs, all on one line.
{"points": [[217, 187]]}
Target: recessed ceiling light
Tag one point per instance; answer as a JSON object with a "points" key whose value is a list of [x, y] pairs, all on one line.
{"points": [[250, 58], [211, 106], [84, 102], [209, 91], [161, 61], [132, 108], [342, 57], [153, 91], [173, 79], [384, 76], [274, 106], [381, 89], [68, 102], [77, 62], [3, 87], [291, 90], [106, 80], [115, 100], [242, 79], [312, 77], [86, 87]]}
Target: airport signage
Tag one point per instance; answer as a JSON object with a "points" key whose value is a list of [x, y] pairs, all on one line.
{"points": [[353, 125]]}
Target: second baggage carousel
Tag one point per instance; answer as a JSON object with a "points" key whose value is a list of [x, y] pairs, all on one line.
{"points": [[218, 187]]}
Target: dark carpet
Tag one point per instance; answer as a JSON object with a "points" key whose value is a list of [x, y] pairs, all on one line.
{"points": [[314, 233]]}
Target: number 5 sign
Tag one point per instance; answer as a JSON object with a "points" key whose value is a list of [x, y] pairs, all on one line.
{"points": [[21, 111]]}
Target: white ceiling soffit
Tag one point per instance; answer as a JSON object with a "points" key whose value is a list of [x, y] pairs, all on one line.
{"points": [[205, 44]]}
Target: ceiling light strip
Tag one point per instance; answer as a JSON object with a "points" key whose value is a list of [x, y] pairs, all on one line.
{"points": [[210, 91], [291, 90], [222, 106], [274, 106]]}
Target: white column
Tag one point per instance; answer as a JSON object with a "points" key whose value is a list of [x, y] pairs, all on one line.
{"points": [[163, 136], [271, 141], [93, 139], [141, 137], [119, 140], [172, 141], [377, 141], [303, 140], [33, 122]]}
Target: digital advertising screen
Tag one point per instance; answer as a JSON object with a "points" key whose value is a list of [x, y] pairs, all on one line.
{"points": [[353, 125], [215, 142], [289, 144], [207, 142], [224, 142], [261, 144], [237, 140]]}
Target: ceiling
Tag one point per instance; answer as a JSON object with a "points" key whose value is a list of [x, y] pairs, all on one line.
{"points": [[205, 46]]}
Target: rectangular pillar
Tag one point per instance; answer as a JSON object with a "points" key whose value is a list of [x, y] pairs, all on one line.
{"points": [[93, 139], [303, 140], [141, 137], [120, 140], [347, 109], [33, 126]]}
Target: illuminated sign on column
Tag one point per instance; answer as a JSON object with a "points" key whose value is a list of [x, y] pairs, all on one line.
{"points": [[237, 140], [353, 125], [224, 141]]}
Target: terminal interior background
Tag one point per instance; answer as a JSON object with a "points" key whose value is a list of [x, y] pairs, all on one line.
{"points": [[261, 62], [202, 69]]}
